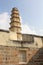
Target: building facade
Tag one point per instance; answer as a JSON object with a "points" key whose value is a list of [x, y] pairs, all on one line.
{"points": [[17, 48]]}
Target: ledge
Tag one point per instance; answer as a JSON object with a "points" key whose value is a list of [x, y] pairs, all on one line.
{"points": [[4, 30], [22, 62]]}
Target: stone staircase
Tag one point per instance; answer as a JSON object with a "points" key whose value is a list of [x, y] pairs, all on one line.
{"points": [[37, 59]]}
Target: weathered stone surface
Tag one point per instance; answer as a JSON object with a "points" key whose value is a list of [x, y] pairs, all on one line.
{"points": [[9, 55]]}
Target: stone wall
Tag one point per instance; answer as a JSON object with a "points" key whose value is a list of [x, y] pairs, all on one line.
{"points": [[10, 50], [9, 55]]}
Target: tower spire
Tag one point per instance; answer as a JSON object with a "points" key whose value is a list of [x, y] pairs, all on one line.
{"points": [[15, 25]]}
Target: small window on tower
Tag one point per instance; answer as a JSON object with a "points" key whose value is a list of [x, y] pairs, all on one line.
{"points": [[22, 57]]}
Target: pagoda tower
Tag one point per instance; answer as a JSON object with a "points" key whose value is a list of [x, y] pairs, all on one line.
{"points": [[15, 25]]}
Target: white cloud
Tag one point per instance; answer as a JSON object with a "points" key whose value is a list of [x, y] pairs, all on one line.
{"points": [[40, 32], [4, 21], [21, 20], [26, 29]]}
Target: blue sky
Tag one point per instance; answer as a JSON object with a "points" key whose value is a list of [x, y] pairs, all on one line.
{"points": [[31, 12]]}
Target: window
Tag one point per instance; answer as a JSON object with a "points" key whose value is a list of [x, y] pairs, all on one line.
{"points": [[22, 56]]}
